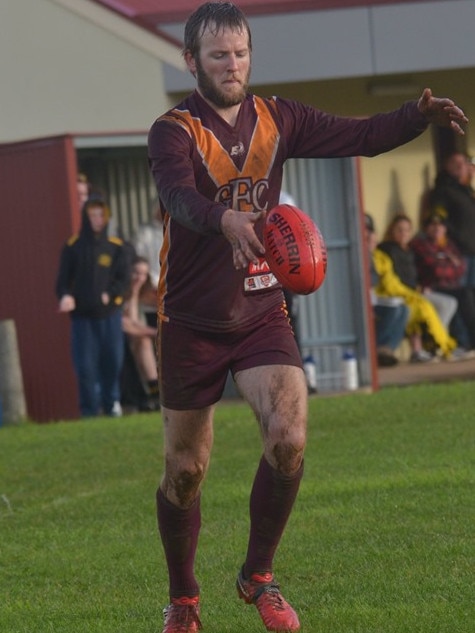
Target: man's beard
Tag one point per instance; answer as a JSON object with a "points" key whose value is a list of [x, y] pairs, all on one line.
{"points": [[212, 93]]}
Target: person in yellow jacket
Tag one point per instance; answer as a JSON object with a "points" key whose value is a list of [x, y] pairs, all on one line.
{"points": [[421, 311], [422, 314]]}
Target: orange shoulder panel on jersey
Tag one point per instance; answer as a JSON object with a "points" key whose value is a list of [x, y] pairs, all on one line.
{"points": [[115, 240], [178, 119], [74, 238], [221, 168]]}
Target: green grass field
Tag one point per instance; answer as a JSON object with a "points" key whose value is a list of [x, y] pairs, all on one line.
{"points": [[381, 539]]}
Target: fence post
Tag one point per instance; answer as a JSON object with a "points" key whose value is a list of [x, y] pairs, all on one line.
{"points": [[12, 395]]}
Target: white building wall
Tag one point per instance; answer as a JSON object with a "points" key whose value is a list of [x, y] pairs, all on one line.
{"points": [[62, 73]]}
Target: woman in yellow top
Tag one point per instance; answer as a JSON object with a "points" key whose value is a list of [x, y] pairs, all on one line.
{"points": [[422, 312]]}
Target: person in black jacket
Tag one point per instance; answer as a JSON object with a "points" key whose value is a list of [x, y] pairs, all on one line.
{"points": [[92, 279], [454, 197]]}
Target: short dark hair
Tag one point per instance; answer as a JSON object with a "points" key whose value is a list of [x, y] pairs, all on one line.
{"points": [[215, 16]]}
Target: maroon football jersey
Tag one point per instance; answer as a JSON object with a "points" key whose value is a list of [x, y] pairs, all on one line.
{"points": [[202, 166]]}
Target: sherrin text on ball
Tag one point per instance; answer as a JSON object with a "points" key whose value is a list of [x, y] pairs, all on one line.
{"points": [[295, 249]]}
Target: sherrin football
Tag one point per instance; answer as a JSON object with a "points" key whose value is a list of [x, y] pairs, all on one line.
{"points": [[295, 249]]}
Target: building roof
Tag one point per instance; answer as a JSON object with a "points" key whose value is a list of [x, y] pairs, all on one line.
{"points": [[324, 39], [155, 14]]}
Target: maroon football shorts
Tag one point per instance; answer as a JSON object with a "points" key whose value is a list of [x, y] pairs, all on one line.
{"points": [[193, 366]]}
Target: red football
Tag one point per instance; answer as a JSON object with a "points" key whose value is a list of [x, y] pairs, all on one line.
{"points": [[295, 249]]}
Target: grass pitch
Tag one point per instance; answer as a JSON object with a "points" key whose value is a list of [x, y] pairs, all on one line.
{"points": [[380, 540]]}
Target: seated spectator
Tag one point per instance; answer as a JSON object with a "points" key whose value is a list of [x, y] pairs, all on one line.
{"points": [[423, 317], [396, 245], [390, 313], [442, 267], [147, 242], [422, 314], [139, 335]]}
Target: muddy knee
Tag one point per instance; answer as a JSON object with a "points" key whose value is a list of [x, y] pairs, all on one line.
{"points": [[182, 487]]}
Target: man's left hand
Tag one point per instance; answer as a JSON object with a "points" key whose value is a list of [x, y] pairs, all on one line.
{"points": [[442, 112]]}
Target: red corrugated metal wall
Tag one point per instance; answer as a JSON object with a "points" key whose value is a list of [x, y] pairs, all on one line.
{"points": [[38, 212]]}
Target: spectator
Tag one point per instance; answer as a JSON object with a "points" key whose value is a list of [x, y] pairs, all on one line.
{"points": [[139, 335], [422, 314], [82, 184], [391, 314], [90, 286], [396, 244], [453, 193], [147, 241], [441, 267]]}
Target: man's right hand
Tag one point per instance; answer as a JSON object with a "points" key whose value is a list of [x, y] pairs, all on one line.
{"points": [[238, 228], [67, 303]]}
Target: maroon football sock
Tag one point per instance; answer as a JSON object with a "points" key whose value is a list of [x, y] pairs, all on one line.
{"points": [[272, 499], [179, 530]]}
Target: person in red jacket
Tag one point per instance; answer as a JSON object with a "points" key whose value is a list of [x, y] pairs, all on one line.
{"points": [[441, 267]]}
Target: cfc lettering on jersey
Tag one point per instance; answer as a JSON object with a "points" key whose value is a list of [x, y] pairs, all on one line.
{"points": [[244, 195], [259, 277], [233, 188]]}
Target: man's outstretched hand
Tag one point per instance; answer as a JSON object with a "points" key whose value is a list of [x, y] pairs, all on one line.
{"points": [[442, 112]]}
